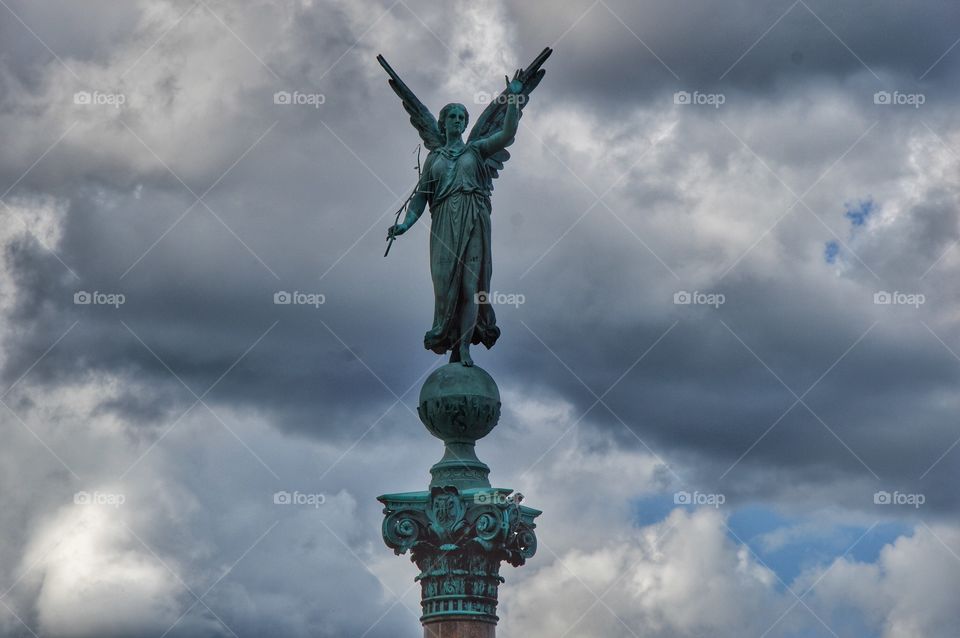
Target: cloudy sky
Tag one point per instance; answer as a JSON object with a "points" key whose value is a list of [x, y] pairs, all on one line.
{"points": [[731, 384]]}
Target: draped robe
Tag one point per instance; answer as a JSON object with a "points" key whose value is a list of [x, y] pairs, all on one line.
{"points": [[455, 182]]}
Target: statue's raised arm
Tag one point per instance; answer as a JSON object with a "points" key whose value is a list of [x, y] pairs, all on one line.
{"points": [[456, 182], [490, 124]]}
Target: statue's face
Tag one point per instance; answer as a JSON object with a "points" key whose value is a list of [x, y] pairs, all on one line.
{"points": [[456, 120]]}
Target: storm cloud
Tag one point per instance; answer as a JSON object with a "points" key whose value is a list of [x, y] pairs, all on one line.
{"points": [[733, 229]]}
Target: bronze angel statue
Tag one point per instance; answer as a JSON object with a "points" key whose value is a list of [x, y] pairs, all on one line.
{"points": [[456, 181]]}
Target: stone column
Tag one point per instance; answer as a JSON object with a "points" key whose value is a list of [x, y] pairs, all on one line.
{"points": [[460, 629], [461, 530]]}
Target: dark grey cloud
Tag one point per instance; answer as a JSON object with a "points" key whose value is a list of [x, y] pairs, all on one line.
{"points": [[621, 53], [299, 200]]}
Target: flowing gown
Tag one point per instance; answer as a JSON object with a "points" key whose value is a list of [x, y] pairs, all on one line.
{"points": [[455, 183]]}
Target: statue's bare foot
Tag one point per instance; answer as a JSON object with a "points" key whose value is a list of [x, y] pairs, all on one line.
{"points": [[455, 355], [465, 357]]}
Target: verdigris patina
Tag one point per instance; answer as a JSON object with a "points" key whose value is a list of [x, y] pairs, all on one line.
{"points": [[456, 181], [458, 538], [460, 530]]}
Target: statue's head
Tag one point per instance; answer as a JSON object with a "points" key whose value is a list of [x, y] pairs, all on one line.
{"points": [[453, 116]]}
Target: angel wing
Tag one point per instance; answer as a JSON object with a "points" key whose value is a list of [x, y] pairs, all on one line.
{"points": [[491, 120], [420, 116]]}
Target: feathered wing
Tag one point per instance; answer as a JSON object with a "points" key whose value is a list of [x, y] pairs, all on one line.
{"points": [[420, 116], [491, 120]]}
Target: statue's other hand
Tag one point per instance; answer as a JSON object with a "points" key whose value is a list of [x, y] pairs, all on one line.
{"points": [[396, 230], [514, 86]]}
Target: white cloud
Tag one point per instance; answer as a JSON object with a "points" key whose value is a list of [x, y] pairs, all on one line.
{"points": [[911, 589], [91, 577], [685, 576]]}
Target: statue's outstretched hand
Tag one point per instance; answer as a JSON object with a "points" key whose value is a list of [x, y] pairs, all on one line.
{"points": [[396, 230]]}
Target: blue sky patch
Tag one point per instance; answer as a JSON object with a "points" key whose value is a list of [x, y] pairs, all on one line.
{"points": [[830, 252], [859, 213], [804, 547]]}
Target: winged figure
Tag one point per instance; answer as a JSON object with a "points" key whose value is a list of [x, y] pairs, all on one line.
{"points": [[456, 182]]}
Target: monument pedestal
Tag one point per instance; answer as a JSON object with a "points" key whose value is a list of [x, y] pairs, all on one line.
{"points": [[459, 629], [460, 530]]}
